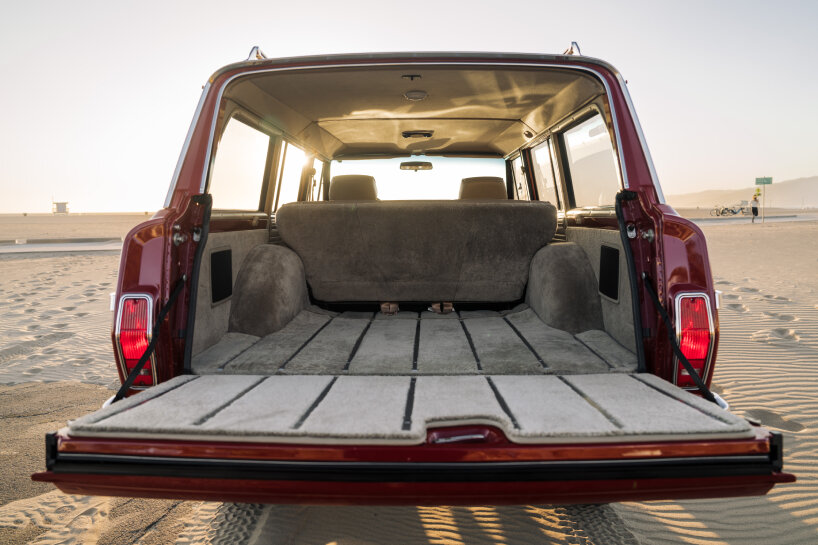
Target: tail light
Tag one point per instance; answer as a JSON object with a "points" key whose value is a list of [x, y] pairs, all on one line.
{"points": [[133, 333], [695, 332]]}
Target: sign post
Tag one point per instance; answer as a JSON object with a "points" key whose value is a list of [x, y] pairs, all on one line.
{"points": [[763, 182]]}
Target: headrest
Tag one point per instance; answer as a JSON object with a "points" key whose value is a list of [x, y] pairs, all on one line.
{"points": [[483, 187], [353, 187]]}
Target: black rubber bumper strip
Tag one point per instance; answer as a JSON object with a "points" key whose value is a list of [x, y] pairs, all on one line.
{"points": [[667, 468]]}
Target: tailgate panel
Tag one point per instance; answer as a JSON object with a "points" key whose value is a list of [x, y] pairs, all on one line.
{"points": [[400, 410], [414, 441]]}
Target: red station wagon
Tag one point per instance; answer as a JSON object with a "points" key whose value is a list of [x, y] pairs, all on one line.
{"points": [[437, 278]]}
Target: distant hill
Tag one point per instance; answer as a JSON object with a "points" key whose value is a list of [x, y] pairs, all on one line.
{"points": [[799, 193]]}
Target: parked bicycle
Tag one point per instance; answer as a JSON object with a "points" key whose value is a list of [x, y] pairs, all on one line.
{"points": [[734, 210]]}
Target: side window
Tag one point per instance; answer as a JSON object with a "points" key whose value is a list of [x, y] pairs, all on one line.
{"points": [[591, 166], [544, 173], [238, 170], [520, 184], [290, 177]]}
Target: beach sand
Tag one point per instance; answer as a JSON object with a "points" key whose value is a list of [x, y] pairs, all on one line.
{"points": [[56, 364], [34, 226]]}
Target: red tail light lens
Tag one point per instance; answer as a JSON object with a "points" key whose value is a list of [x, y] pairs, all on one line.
{"points": [[133, 333], [694, 331]]}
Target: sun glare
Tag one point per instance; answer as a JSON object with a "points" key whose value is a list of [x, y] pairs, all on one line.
{"points": [[442, 182]]}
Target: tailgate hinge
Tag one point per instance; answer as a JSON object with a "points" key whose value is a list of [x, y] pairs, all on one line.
{"points": [[777, 450], [50, 450]]}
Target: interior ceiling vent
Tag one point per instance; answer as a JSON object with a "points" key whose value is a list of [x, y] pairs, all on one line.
{"points": [[417, 134]]}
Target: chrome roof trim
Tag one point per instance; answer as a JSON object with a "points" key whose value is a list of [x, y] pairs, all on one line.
{"points": [[430, 57], [186, 145], [418, 62]]}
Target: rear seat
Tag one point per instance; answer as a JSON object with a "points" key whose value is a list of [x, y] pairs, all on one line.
{"points": [[417, 251], [353, 187], [483, 187]]}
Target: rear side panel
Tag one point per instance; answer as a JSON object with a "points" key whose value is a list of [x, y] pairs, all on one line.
{"points": [[685, 269], [155, 255]]}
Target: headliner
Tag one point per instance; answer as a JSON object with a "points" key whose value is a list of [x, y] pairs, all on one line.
{"points": [[472, 109]]}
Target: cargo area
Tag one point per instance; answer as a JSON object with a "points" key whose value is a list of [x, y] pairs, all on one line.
{"points": [[520, 302], [423, 343], [297, 348]]}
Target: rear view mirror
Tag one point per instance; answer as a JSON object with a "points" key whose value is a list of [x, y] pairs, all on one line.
{"points": [[416, 165]]}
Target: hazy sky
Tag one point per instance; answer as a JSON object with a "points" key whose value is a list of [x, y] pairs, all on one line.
{"points": [[97, 96]]}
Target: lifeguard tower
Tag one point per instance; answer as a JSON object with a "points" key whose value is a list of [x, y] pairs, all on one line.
{"points": [[59, 207]]}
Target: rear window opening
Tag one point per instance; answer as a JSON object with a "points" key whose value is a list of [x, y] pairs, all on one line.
{"points": [[441, 182]]}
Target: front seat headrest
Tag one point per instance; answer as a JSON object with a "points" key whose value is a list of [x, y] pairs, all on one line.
{"points": [[483, 187], [353, 187]]}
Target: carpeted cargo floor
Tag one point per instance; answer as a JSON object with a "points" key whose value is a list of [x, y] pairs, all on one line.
{"points": [[410, 343], [394, 410]]}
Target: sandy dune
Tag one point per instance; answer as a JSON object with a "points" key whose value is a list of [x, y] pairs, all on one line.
{"points": [[54, 326]]}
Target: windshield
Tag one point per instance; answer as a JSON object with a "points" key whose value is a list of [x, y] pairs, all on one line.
{"points": [[441, 182]]}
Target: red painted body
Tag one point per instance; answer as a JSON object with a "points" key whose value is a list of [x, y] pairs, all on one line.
{"points": [[360, 493], [494, 448], [677, 262]]}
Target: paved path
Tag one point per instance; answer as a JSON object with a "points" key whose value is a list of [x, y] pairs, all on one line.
{"points": [[62, 245]]}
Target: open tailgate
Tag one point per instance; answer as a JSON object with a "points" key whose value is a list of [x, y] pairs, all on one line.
{"points": [[415, 440]]}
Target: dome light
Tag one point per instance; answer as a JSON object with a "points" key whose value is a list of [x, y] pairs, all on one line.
{"points": [[416, 95]]}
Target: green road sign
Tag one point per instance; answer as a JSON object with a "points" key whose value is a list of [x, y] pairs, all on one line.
{"points": [[764, 181]]}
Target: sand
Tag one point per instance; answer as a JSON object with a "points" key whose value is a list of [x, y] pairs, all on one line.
{"points": [[38, 226], [55, 319], [56, 364]]}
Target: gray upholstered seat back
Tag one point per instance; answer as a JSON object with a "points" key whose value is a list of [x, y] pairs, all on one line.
{"points": [[483, 187], [353, 187], [417, 250]]}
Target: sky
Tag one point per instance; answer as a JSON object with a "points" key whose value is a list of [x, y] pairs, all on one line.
{"points": [[97, 97]]}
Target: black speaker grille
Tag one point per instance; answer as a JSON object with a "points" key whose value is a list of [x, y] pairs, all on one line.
{"points": [[609, 272], [221, 275]]}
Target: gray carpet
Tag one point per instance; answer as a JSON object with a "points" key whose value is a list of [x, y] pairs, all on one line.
{"points": [[400, 409], [361, 343]]}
